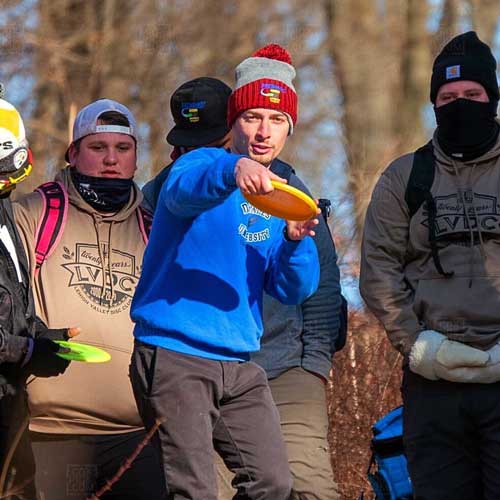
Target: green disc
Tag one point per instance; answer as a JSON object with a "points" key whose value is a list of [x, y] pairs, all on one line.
{"points": [[83, 352]]}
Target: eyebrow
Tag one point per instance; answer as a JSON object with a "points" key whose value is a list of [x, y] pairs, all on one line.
{"points": [[259, 115], [455, 92], [104, 143]]}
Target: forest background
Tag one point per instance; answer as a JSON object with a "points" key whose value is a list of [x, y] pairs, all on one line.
{"points": [[363, 71]]}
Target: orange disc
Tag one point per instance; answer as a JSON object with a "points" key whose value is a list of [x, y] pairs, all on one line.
{"points": [[285, 202]]}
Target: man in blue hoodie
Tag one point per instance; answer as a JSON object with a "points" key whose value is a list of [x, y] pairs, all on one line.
{"points": [[198, 304], [299, 341]]}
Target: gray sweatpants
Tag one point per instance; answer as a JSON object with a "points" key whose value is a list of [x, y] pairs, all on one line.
{"points": [[204, 404]]}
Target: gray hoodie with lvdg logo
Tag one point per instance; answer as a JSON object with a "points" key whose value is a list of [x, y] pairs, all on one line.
{"points": [[399, 280]]}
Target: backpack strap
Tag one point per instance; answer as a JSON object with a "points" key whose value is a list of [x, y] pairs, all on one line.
{"points": [[145, 220], [51, 223], [421, 178], [325, 205], [53, 219], [432, 210], [418, 191]]}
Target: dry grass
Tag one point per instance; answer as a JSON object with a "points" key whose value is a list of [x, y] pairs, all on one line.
{"points": [[364, 385]]}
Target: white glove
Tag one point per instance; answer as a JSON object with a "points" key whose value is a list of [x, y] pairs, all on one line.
{"points": [[433, 356], [423, 353], [488, 374], [453, 354]]}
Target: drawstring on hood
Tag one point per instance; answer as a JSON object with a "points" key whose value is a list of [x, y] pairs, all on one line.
{"points": [[110, 266], [97, 221], [470, 213], [464, 203], [106, 266]]}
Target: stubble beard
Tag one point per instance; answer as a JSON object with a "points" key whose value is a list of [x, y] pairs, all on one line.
{"points": [[265, 159]]}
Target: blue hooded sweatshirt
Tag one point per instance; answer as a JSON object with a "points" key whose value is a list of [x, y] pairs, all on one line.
{"points": [[210, 256]]}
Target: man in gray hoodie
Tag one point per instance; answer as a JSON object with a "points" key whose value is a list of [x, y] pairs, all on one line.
{"points": [[430, 272]]}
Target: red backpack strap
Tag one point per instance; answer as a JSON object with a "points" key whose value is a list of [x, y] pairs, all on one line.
{"points": [[52, 221], [145, 219]]}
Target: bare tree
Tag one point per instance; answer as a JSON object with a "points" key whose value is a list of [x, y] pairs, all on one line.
{"points": [[366, 45], [484, 15]]}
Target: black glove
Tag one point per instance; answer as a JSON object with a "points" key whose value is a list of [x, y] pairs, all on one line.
{"points": [[54, 334], [44, 361]]}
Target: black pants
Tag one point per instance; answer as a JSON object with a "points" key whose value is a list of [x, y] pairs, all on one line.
{"points": [[72, 467], [204, 404], [452, 438]]}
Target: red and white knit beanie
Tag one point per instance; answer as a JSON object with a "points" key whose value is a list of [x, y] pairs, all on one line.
{"points": [[265, 81]]}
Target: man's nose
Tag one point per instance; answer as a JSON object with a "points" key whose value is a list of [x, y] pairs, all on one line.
{"points": [[110, 158], [264, 129]]}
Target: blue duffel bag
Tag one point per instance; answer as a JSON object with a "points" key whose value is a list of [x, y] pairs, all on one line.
{"points": [[388, 472]]}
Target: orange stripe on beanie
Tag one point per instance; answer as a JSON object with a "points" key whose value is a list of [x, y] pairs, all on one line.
{"points": [[265, 81]]}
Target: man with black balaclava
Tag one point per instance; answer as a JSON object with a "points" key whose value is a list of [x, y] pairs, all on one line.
{"points": [[84, 428], [430, 272]]}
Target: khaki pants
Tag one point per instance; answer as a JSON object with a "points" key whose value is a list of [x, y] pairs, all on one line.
{"points": [[301, 401], [73, 467]]}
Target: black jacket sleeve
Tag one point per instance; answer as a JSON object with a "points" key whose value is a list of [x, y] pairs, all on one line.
{"points": [[12, 347], [151, 190], [321, 312]]}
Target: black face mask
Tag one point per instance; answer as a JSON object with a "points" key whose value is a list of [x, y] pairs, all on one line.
{"points": [[102, 193], [467, 129]]}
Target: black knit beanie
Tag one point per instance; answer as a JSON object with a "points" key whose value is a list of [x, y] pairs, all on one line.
{"points": [[465, 57]]}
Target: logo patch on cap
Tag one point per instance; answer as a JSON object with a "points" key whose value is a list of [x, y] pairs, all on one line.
{"points": [[272, 91], [190, 110], [453, 72], [116, 129], [20, 157]]}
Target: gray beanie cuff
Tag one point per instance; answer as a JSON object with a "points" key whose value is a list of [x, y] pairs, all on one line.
{"points": [[258, 68]]}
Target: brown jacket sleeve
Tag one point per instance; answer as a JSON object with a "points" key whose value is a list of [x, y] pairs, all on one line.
{"points": [[385, 241]]}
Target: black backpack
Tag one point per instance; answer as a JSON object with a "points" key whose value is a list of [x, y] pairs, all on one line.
{"points": [[418, 191]]}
